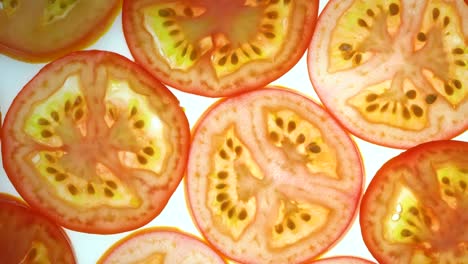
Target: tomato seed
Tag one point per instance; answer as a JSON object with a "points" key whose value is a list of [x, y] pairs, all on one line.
{"points": [[184, 51], [458, 51], [60, 177], [221, 197], [242, 215], [188, 11], [357, 58], [78, 114], [448, 89], [231, 212], [32, 254], [269, 35], [256, 49], [225, 205], [234, 58], [279, 228], [411, 94], [139, 124], [72, 189], [111, 184], [49, 158], [238, 150], [435, 13], [449, 193], [345, 47], [148, 151], [446, 21], [222, 61], [268, 27], [142, 160], [78, 101], [222, 175], [67, 106], [163, 13], [305, 217], [406, 113], [445, 180], [413, 210], [51, 170], [314, 148], [290, 224], [370, 12], [174, 32], [460, 63], [43, 122], [274, 136], [223, 154], [193, 55], [300, 139], [462, 184], [108, 192], [384, 107], [168, 23], [431, 98], [421, 36], [394, 9], [372, 107], [417, 111], [272, 15], [291, 126], [220, 186], [46, 134], [371, 97], [406, 233], [55, 116], [457, 84], [90, 189], [230, 143], [362, 23]]}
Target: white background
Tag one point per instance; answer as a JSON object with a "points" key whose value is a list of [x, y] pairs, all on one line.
{"points": [[88, 247]]}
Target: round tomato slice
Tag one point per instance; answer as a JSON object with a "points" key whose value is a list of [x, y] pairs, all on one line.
{"points": [[272, 178], [161, 245], [415, 208], [95, 143], [343, 260], [27, 237], [41, 30], [394, 72], [218, 47]]}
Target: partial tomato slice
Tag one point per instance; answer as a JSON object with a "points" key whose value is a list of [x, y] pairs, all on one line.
{"points": [[415, 208], [41, 30], [28, 237], [342, 260], [95, 143], [394, 72], [272, 178], [161, 245], [218, 47]]}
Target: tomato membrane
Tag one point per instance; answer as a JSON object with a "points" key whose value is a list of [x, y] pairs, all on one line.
{"points": [[266, 182], [414, 209], [160, 245], [40, 31], [28, 237], [95, 143], [218, 48], [389, 79]]}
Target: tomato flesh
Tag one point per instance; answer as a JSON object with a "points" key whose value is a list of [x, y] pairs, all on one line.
{"points": [[415, 206], [40, 31], [342, 260], [95, 143], [160, 245], [265, 181], [391, 80], [28, 237], [218, 48]]}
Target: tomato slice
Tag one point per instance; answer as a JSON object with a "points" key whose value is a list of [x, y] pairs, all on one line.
{"points": [[394, 72], [218, 47], [272, 177], [28, 237], [160, 245], [414, 210], [342, 260], [41, 30], [95, 143]]}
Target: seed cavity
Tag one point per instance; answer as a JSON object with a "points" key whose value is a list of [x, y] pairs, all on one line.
{"points": [[417, 111], [431, 98], [46, 134], [222, 175], [421, 37], [394, 9], [72, 189]]}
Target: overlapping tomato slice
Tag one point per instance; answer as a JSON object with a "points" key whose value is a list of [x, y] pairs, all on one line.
{"points": [[95, 143], [272, 178]]}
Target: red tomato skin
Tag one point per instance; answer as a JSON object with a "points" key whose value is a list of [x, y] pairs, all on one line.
{"points": [[343, 260], [38, 205], [58, 233], [408, 157], [85, 41], [255, 83]]}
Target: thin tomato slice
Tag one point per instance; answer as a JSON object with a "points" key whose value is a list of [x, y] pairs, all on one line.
{"points": [[95, 143], [415, 208], [218, 47], [342, 260], [272, 178], [394, 72], [41, 30], [27, 237], [160, 245]]}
